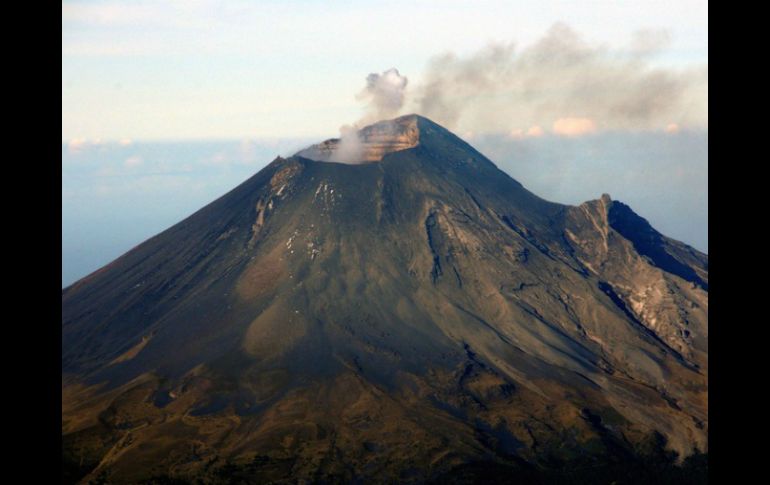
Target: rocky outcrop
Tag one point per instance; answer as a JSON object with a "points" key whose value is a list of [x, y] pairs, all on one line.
{"points": [[661, 285]]}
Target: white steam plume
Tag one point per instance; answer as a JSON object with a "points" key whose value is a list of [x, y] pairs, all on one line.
{"points": [[384, 95], [562, 77], [560, 85], [350, 148]]}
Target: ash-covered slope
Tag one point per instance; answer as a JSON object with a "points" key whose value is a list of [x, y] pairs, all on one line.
{"points": [[390, 320]]}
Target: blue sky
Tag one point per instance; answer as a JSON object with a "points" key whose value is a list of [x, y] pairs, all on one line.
{"points": [[168, 104]]}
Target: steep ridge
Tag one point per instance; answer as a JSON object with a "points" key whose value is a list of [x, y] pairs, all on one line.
{"points": [[391, 320]]}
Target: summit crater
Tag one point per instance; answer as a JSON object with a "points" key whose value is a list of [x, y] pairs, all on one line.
{"points": [[369, 144]]}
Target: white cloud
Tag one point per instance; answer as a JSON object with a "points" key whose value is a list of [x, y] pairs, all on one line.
{"points": [[80, 145], [133, 161], [672, 128], [77, 145], [535, 131], [574, 126]]}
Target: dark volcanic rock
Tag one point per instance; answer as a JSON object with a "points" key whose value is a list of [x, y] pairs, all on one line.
{"points": [[392, 320]]}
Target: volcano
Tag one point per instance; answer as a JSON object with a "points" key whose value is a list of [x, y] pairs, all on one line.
{"points": [[415, 316]]}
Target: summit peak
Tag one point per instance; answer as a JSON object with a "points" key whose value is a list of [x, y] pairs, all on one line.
{"points": [[370, 143]]}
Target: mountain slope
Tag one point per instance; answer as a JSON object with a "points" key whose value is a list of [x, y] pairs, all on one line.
{"points": [[392, 319]]}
